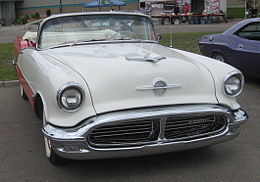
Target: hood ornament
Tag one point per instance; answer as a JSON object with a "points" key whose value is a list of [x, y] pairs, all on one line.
{"points": [[146, 58], [159, 87]]}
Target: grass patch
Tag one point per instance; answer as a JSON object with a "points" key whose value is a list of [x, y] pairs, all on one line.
{"points": [[184, 41], [7, 71], [236, 12]]}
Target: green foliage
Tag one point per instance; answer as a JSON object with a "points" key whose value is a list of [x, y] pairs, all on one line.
{"points": [[35, 15], [236, 12], [18, 21], [7, 71], [26, 17], [22, 20], [48, 13]]}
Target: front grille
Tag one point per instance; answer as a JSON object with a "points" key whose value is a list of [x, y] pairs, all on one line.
{"points": [[131, 133], [166, 129], [194, 127]]}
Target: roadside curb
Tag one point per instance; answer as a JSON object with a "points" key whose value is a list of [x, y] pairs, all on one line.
{"points": [[9, 83]]}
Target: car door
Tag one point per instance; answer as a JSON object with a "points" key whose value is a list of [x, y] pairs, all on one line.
{"points": [[26, 65], [247, 49]]}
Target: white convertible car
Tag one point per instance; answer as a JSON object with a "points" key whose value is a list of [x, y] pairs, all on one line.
{"points": [[105, 88]]}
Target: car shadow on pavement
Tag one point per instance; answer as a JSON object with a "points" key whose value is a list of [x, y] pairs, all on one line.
{"points": [[138, 166]]}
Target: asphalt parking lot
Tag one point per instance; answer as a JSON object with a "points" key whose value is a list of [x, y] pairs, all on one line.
{"points": [[22, 152]]}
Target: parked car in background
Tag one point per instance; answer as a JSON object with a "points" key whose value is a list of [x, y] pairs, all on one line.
{"points": [[238, 46], [105, 88]]}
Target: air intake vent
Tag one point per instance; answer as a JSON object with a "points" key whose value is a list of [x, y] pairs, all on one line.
{"points": [[194, 127], [130, 133]]}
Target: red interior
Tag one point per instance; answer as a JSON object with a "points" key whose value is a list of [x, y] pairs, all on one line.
{"points": [[21, 44]]}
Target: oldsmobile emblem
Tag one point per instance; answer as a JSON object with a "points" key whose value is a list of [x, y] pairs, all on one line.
{"points": [[159, 87]]}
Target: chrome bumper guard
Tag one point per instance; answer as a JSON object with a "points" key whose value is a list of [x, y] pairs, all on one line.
{"points": [[72, 143]]}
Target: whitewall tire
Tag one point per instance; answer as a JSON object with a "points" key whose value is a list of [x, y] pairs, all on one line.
{"points": [[50, 154]]}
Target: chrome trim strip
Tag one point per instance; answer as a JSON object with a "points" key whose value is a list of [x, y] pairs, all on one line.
{"points": [[162, 130], [142, 88]]}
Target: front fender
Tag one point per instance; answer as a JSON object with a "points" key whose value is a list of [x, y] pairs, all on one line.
{"points": [[46, 77], [218, 70]]}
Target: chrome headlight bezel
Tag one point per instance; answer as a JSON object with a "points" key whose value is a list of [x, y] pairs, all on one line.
{"points": [[237, 74], [65, 87]]}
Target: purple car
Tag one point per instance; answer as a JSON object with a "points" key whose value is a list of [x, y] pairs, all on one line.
{"points": [[238, 46]]}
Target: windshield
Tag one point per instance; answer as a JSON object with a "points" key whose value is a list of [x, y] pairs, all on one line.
{"points": [[85, 28]]}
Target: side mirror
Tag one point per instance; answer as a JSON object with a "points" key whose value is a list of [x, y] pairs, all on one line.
{"points": [[159, 37]]}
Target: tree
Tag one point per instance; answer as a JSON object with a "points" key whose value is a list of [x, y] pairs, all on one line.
{"points": [[254, 4], [48, 13]]}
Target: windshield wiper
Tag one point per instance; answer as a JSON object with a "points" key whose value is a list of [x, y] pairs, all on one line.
{"points": [[59, 46], [87, 41], [123, 38], [137, 40], [126, 37], [69, 44]]}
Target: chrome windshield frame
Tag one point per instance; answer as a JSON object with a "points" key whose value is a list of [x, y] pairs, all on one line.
{"points": [[40, 27]]}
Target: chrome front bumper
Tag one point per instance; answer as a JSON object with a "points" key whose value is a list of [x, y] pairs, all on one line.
{"points": [[72, 143]]}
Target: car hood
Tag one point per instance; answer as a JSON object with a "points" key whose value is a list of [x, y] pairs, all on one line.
{"points": [[119, 77]]}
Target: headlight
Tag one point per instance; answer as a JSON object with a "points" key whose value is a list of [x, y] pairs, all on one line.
{"points": [[70, 97], [233, 83]]}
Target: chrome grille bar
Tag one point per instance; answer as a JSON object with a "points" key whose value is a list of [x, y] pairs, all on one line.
{"points": [[125, 133], [194, 127]]}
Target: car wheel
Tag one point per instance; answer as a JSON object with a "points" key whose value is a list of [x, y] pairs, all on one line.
{"points": [[50, 154], [220, 57], [22, 93]]}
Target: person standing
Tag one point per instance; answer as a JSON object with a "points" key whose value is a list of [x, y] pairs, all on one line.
{"points": [[186, 8]]}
